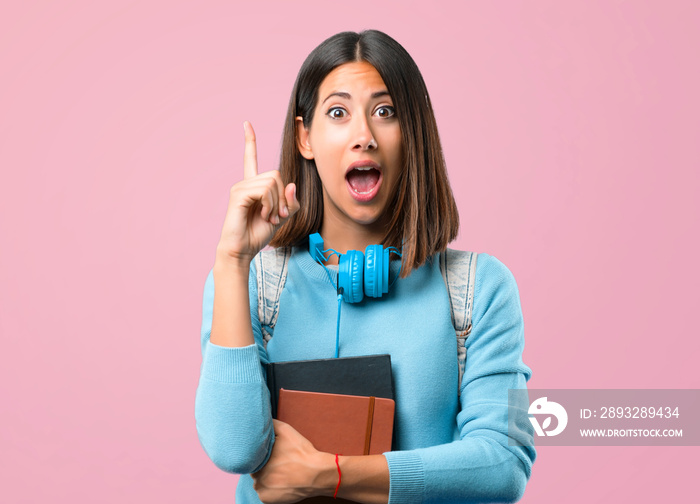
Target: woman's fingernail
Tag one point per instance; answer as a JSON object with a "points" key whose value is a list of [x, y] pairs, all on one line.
{"points": [[276, 220], [285, 211]]}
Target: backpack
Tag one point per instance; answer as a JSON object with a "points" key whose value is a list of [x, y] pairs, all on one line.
{"points": [[458, 270]]}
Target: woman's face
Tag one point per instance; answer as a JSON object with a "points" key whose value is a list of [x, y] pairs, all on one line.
{"points": [[355, 140]]}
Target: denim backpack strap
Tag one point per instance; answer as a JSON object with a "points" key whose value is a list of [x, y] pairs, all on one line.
{"points": [[271, 270], [459, 272]]}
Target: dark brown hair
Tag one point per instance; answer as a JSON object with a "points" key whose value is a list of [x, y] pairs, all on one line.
{"points": [[423, 214]]}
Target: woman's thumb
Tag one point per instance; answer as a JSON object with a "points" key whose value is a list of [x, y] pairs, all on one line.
{"points": [[290, 193]]}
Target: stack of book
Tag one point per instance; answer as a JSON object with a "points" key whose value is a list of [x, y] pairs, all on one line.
{"points": [[343, 405]]}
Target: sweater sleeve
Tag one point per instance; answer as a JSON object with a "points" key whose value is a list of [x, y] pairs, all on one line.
{"points": [[480, 466], [232, 404]]}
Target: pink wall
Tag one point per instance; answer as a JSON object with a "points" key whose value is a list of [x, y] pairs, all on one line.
{"points": [[571, 134]]}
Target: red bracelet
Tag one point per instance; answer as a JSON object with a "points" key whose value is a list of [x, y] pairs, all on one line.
{"points": [[337, 464]]}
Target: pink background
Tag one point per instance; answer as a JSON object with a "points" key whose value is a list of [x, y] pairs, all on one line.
{"points": [[571, 135]]}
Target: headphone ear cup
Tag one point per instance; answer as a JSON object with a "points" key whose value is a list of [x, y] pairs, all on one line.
{"points": [[374, 286], [350, 270]]}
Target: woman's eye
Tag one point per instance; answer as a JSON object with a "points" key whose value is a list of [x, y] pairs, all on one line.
{"points": [[337, 113], [385, 111]]}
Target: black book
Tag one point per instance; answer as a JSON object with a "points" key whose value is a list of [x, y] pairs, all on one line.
{"points": [[361, 376]]}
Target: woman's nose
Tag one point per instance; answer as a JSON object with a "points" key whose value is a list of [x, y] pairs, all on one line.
{"points": [[364, 139]]}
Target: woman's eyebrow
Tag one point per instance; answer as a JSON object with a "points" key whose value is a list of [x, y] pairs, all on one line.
{"points": [[343, 94]]}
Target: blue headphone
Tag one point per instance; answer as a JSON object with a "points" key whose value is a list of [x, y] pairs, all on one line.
{"points": [[359, 274]]}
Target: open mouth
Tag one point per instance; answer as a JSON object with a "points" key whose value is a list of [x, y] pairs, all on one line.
{"points": [[363, 180]]}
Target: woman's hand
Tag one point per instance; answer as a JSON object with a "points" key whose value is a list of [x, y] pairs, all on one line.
{"points": [[257, 206], [295, 470]]}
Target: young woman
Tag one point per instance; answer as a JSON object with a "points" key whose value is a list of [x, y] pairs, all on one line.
{"points": [[362, 164]]}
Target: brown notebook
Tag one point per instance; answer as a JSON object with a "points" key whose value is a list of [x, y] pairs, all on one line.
{"points": [[335, 423]]}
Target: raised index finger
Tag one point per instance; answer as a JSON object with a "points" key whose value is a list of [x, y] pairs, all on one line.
{"points": [[250, 156]]}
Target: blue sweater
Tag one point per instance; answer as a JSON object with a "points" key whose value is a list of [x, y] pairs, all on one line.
{"points": [[448, 447]]}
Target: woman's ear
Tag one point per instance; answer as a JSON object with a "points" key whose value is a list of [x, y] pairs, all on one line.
{"points": [[303, 139]]}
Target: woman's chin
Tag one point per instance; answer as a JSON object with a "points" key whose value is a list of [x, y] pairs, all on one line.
{"points": [[371, 218], [348, 213]]}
